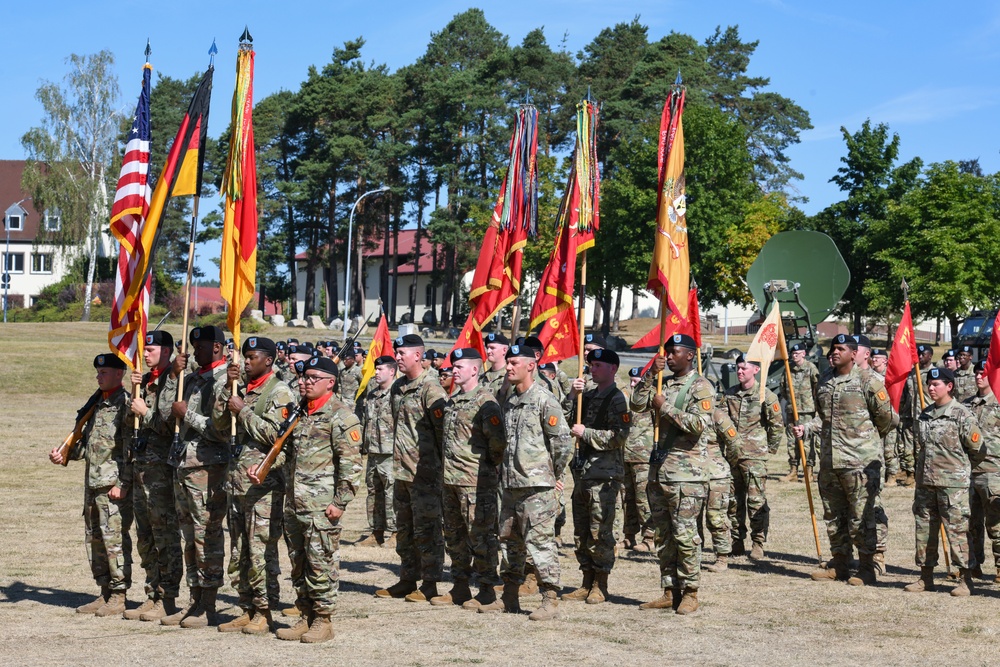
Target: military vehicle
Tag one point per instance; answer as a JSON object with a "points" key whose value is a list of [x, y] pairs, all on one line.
{"points": [[976, 331]]}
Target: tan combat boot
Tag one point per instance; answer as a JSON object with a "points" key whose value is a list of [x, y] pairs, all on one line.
{"points": [[508, 602], [291, 611], [237, 624], [96, 603], [581, 593], [908, 480], [459, 594], [964, 588], [260, 624], [115, 606], [924, 584], [689, 603], [427, 591], [135, 614], [665, 601], [373, 540], [792, 476], [757, 551], [865, 576], [390, 542], [179, 614], [721, 564], [398, 590], [646, 546], [530, 585], [549, 608], [203, 614], [320, 630], [599, 591], [838, 570], [163, 607], [294, 633], [485, 597]]}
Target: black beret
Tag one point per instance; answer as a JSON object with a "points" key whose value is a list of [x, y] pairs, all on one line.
{"points": [[266, 345], [212, 334], [520, 351], [300, 367], [324, 364], [314, 353], [534, 342], [879, 352], [949, 354], [465, 353], [357, 345], [430, 355], [292, 340], [385, 359], [333, 345], [635, 372], [743, 360], [965, 348], [680, 340], [409, 340], [496, 337], [280, 346], [797, 347], [594, 339], [161, 338], [945, 374], [600, 354], [547, 366], [924, 348], [844, 339], [446, 370], [109, 361], [863, 340], [980, 366]]}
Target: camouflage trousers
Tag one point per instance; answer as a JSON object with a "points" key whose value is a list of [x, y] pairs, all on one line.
{"points": [[201, 509], [748, 499], [419, 538], [717, 515], [808, 443], [593, 523], [378, 479], [157, 533], [984, 519], [880, 519], [890, 452], [314, 549], [905, 446], [106, 525], [849, 496], [934, 506], [676, 507], [255, 520], [470, 532], [636, 501], [527, 529]]}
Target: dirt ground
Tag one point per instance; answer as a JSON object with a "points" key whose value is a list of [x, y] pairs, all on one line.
{"points": [[769, 614]]}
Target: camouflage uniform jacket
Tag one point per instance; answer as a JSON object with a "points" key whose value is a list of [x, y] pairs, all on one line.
{"points": [[564, 381], [375, 412], [256, 433], [854, 414], [910, 404], [965, 384], [324, 462], [759, 423], [474, 439], [987, 412], [684, 431], [639, 445], [283, 370], [724, 446], [539, 444], [104, 440], [948, 441], [491, 379], [207, 444], [805, 377], [602, 445], [418, 408], [348, 384], [155, 432]]}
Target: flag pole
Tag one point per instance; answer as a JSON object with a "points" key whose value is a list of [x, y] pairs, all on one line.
{"points": [[580, 319], [696, 334], [659, 351], [805, 465], [187, 305]]}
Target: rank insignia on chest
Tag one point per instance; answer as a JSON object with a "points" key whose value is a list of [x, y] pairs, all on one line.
{"points": [[355, 436], [553, 420], [626, 418], [495, 420], [706, 405], [438, 413], [881, 396]]}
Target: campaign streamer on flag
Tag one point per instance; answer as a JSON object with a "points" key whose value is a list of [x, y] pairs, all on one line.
{"points": [[670, 270], [579, 218], [902, 358], [381, 346], [768, 344], [129, 218], [690, 326], [992, 369], [238, 265]]}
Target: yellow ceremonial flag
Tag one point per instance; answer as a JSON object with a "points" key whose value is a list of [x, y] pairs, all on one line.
{"points": [[768, 344]]}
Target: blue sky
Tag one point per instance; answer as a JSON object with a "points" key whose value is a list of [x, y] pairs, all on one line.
{"points": [[927, 70]]}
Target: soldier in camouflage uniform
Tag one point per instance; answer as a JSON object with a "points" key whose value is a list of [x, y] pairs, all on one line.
{"points": [[107, 500], [635, 502], [949, 360], [890, 449], [538, 448], [724, 455], [496, 368], [910, 408], [282, 369], [853, 415], [158, 536], [965, 375], [948, 443], [598, 470], [199, 457], [322, 473], [255, 511], [550, 371], [418, 408], [375, 412], [298, 352], [678, 475], [984, 510], [805, 377], [759, 423], [474, 442], [879, 362], [350, 377]]}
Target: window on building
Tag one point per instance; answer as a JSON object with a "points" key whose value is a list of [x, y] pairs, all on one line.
{"points": [[53, 221], [13, 262], [41, 262], [429, 295], [14, 223]]}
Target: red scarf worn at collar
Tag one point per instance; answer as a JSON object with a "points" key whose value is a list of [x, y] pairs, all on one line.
{"points": [[253, 385], [318, 403], [155, 373], [211, 367], [105, 395]]}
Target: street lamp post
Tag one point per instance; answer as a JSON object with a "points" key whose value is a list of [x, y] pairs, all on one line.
{"points": [[6, 256], [347, 277]]}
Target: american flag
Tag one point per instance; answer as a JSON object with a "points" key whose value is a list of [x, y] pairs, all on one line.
{"points": [[128, 218]]}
